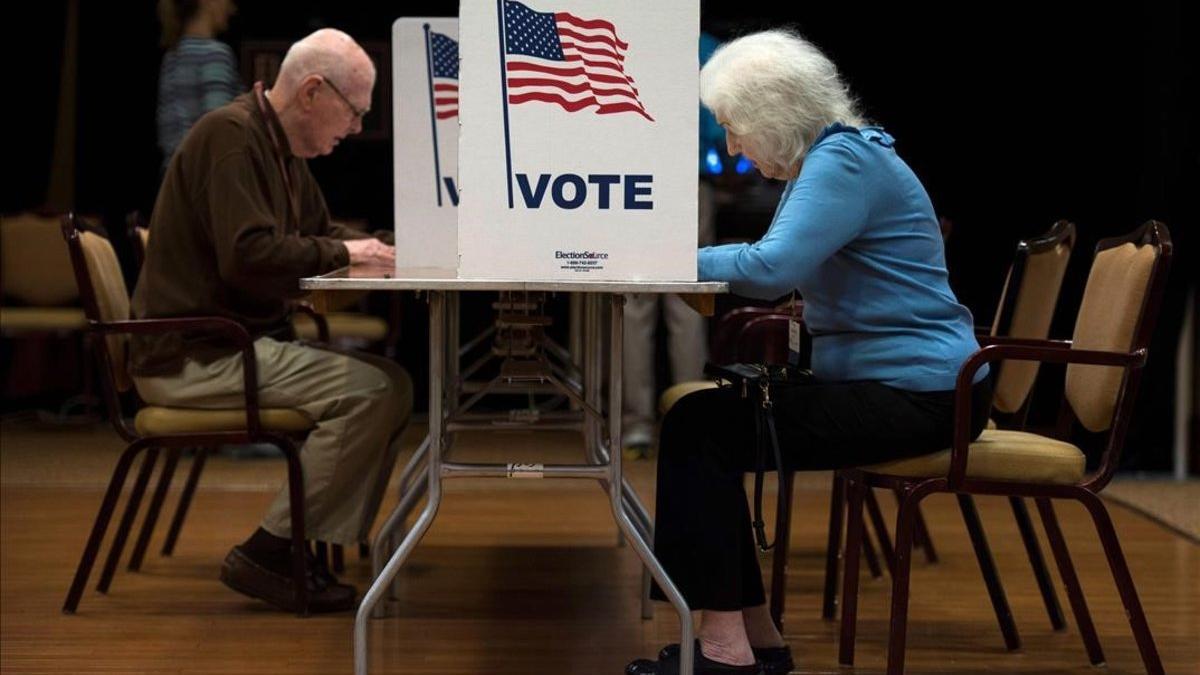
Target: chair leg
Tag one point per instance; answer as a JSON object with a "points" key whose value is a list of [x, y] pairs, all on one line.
{"points": [[131, 509], [295, 476], [1124, 582], [338, 555], [924, 541], [855, 493], [1066, 570], [871, 557], [185, 501], [156, 502], [103, 516], [783, 530], [881, 533], [833, 546], [322, 555], [1040, 572], [921, 538], [898, 632], [991, 576]]}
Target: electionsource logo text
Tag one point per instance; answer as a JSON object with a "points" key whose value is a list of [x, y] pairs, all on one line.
{"points": [[587, 255]]}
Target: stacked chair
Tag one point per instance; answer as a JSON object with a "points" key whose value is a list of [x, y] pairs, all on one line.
{"points": [[1104, 362], [1026, 309]]}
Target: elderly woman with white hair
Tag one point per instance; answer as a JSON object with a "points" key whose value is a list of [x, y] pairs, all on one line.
{"points": [[855, 234]]}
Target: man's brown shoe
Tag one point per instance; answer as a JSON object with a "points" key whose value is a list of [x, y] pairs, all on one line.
{"points": [[246, 576]]}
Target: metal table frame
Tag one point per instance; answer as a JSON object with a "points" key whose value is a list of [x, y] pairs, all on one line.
{"points": [[603, 459]]}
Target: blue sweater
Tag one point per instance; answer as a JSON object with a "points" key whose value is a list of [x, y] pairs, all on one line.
{"points": [[855, 233]]}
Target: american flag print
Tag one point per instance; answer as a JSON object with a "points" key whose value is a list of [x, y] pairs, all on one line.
{"points": [[559, 58], [443, 51]]}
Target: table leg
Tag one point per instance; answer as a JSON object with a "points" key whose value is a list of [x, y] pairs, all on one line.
{"points": [[617, 492], [433, 470]]}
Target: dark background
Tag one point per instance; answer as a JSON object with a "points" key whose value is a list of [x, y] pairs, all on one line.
{"points": [[1014, 115]]}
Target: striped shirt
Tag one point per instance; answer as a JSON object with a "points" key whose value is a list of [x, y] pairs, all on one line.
{"points": [[197, 75]]}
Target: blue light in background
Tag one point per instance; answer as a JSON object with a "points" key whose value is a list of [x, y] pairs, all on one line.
{"points": [[743, 165], [712, 161]]}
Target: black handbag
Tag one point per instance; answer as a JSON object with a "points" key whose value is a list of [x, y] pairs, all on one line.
{"points": [[756, 381]]}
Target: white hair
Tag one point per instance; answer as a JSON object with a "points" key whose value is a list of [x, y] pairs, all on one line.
{"points": [[328, 52], [778, 88]]}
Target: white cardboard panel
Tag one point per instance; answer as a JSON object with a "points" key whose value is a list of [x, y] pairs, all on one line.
{"points": [[635, 216], [425, 141]]}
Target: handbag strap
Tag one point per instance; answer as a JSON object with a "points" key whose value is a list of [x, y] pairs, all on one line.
{"points": [[765, 425]]}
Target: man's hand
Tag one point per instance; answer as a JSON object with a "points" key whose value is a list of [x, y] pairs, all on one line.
{"points": [[370, 251]]}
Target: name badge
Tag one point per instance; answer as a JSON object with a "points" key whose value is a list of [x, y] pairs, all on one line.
{"points": [[794, 342]]}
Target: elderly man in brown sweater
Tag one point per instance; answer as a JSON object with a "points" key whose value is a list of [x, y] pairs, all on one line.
{"points": [[238, 221]]}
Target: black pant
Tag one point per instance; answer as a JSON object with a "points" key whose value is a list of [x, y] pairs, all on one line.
{"points": [[702, 533]]}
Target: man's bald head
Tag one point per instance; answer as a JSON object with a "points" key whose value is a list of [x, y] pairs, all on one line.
{"points": [[322, 91], [328, 52]]}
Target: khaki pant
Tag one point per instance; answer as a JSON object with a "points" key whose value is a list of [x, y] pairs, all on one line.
{"points": [[360, 403]]}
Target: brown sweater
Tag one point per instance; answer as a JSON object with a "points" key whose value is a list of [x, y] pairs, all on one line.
{"points": [[224, 241]]}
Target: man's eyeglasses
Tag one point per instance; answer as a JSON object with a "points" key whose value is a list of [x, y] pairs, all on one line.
{"points": [[358, 112]]}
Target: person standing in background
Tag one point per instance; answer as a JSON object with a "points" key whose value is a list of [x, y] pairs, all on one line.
{"points": [[687, 341], [198, 73]]}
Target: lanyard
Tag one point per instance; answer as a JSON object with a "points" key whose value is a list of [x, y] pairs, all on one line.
{"points": [[268, 113]]}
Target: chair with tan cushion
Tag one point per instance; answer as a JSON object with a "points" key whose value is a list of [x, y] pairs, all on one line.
{"points": [[35, 270], [40, 308], [345, 321], [1104, 361], [1026, 308], [727, 336], [106, 306], [310, 325]]}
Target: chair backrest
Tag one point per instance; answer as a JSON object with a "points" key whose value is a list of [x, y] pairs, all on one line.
{"points": [[764, 339], [1118, 312], [139, 236], [728, 330], [34, 266], [103, 292], [1027, 307]]}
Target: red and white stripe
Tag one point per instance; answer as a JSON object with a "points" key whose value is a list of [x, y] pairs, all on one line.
{"points": [[445, 97], [593, 74]]}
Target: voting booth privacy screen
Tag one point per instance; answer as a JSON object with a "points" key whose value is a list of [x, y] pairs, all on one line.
{"points": [[425, 141], [548, 140], [577, 139]]}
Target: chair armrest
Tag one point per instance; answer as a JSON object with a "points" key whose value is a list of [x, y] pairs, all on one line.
{"points": [[209, 324], [1044, 351], [317, 318], [987, 340]]}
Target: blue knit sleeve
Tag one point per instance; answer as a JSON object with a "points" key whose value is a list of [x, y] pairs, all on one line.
{"points": [[825, 209]]}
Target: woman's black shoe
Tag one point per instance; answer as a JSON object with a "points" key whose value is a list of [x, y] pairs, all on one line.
{"points": [[702, 665], [772, 660]]}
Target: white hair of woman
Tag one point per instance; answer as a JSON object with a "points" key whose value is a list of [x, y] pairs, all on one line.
{"points": [[779, 89]]}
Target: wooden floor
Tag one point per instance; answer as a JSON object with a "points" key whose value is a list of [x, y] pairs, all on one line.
{"points": [[517, 577]]}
